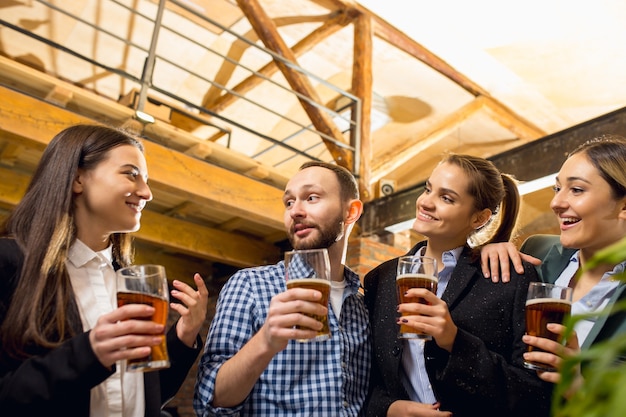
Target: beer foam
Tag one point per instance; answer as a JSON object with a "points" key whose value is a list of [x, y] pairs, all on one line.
{"points": [[422, 276], [311, 281], [547, 300]]}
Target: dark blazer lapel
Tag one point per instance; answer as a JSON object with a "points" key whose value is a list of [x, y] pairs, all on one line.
{"points": [[555, 262], [462, 275], [602, 318]]}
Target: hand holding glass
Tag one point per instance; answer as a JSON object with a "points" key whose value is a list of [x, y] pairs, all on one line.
{"points": [[146, 284], [415, 272], [545, 303], [310, 269]]}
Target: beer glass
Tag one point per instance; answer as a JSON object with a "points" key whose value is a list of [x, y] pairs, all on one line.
{"points": [[415, 272], [310, 268], [146, 284], [545, 303]]}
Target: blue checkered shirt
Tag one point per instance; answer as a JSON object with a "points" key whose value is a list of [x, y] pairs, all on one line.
{"points": [[325, 378]]}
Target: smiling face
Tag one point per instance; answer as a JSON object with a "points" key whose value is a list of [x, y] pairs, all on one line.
{"points": [[109, 198], [590, 217], [314, 213], [446, 212]]}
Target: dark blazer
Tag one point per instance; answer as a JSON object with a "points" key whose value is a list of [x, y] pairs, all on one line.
{"points": [[555, 259], [484, 373], [58, 382]]}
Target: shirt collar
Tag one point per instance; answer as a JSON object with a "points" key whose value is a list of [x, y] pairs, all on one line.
{"points": [[80, 254], [352, 279], [449, 257], [617, 270]]}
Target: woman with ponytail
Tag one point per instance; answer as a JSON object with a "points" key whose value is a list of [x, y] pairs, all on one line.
{"points": [[473, 366]]}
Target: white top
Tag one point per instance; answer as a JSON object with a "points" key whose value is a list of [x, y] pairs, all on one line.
{"points": [[94, 284], [337, 290]]}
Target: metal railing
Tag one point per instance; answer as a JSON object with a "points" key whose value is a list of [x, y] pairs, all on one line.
{"points": [[156, 62]]}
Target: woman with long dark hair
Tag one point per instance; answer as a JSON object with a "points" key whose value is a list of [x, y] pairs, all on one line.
{"points": [[60, 329]]}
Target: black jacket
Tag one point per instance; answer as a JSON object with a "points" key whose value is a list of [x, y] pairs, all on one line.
{"points": [[484, 373], [58, 382]]}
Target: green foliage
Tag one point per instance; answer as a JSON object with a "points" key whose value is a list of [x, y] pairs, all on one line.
{"points": [[603, 393]]}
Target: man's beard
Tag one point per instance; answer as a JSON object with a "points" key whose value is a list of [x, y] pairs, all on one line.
{"points": [[327, 237]]}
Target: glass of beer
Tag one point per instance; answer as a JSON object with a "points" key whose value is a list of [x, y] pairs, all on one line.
{"points": [[310, 268], [546, 303], [415, 272], [146, 284]]}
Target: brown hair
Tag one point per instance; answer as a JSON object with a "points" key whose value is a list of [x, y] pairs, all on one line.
{"points": [[43, 226], [347, 182], [491, 190], [607, 153]]}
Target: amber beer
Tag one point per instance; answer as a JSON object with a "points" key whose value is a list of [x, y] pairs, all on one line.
{"points": [[146, 284], [323, 286], [310, 268], [158, 357], [404, 283], [540, 312]]}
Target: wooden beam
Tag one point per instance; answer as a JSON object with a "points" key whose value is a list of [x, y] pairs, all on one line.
{"points": [[175, 269], [503, 115], [203, 242], [362, 80], [268, 33], [12, 187], [527, 162], [329, 27], [400, 40], [398, 157], [38, 122], [105, 110], [171, 234], [335, 4], [524, 130]]}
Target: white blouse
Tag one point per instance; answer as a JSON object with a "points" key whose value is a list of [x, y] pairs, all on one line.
{"points": [[94, 284]]}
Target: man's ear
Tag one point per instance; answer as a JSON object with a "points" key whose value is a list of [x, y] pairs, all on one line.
{"points": [[355, 209]]}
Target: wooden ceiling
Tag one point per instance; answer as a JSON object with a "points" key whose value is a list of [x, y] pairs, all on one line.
{"points": [[242, 98]]}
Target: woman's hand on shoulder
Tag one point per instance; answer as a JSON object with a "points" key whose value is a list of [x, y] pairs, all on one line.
{"points": [[495, 259]]}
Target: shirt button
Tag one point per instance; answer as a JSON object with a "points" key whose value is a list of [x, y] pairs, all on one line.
{"points": [[345, 404], [344, 365]]}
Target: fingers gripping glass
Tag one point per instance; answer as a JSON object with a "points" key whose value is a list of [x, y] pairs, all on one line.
{"points": [[146, 284], [545, 303], [311, 269], [415, 272]]}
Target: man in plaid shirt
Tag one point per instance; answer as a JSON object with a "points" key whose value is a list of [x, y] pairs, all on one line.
{"points": [[252, 364]]}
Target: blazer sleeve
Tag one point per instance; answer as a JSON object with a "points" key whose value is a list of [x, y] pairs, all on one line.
{"points": [[41, 383], [384, 384], [182, 358], [377, 401]]}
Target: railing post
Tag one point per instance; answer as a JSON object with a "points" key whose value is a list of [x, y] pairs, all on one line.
{"points": [[148, 68]]}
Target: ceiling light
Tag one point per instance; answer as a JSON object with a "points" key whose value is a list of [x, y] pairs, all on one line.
{"points": [[144, 117]]}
